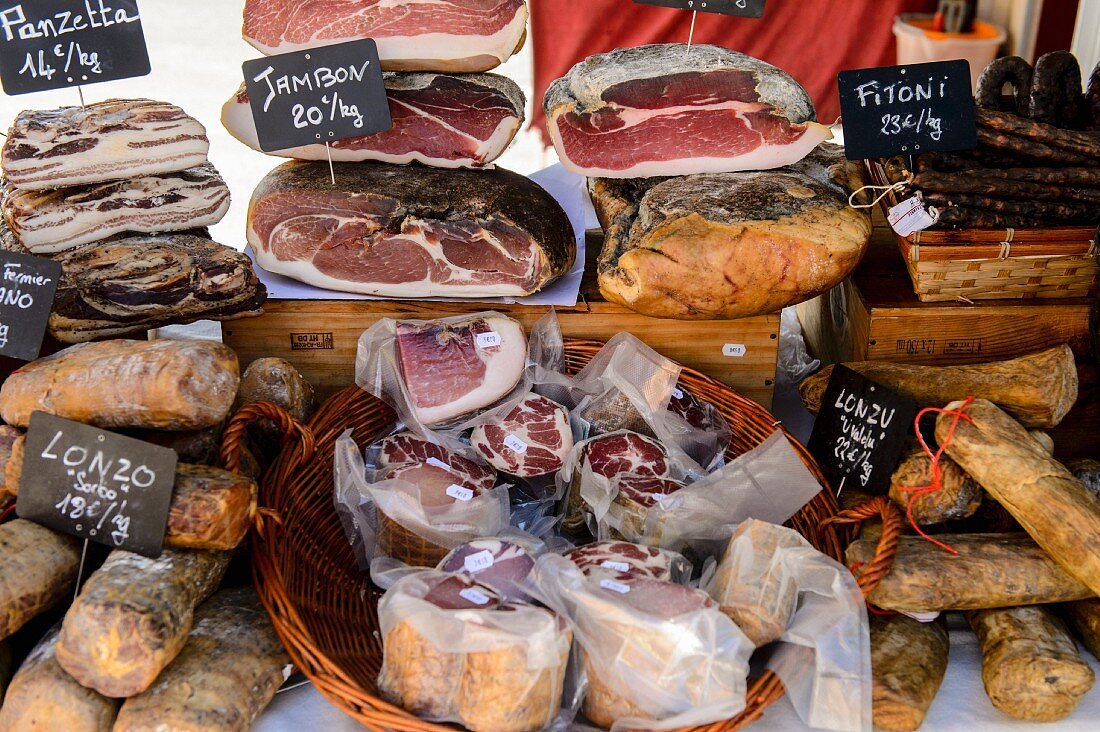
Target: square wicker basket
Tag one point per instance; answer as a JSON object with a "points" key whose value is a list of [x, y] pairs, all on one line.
{"points": [[997, 264]]}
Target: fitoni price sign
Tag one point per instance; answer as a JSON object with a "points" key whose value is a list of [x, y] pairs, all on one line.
{"points": [[860, 431], [321, 95], [27, 288], [55, 44], [97, 485], [907, 110], [742, 8]]}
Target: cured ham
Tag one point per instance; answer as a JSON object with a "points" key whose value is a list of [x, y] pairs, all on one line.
{"points": [[452, 369], [664, 110], [405, 232], [441, 120], [105, 141], [47, 222], [406, 450], [415, 35], [532, 439]]}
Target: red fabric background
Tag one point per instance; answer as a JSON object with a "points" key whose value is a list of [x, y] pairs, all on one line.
{"points": [[810, 39]]}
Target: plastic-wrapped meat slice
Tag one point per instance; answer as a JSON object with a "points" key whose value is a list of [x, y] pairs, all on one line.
{"points": [[531, 440], [619, 559], [705, 417], [618, 453], [410, 457], [503, 565]]}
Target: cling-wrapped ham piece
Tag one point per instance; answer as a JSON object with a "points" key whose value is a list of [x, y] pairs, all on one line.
{"points": [[666, 110], [47, 222], [404, 232], [111, 140], [401, 453], [502, 565], [453, 368], [440, 120], [611, 456], [417, 35], [529, 441]]}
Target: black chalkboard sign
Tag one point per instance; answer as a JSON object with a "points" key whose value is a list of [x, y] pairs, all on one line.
{"points": [[54, 44], [27, 288], [743, 8], [907, 110], [860, 431], [316, 96], [95, 484]]}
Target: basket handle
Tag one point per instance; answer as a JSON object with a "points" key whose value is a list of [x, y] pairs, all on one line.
{"points": [[233, 436], [881, 507]]}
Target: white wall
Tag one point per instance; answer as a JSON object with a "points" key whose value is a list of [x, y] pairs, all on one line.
{"points": [[1021, 18], [1086, 38]]}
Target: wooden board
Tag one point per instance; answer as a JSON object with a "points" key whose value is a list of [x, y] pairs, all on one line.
{"points": [[320, 336]]}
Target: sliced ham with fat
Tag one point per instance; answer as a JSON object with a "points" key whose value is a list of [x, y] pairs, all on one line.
{"points": [[626, 453], [662, 110], [617, 559], [450, 369], [441, 120], [413, 35], [532, 439], [503, 565], [406, 450], [457, 592]]}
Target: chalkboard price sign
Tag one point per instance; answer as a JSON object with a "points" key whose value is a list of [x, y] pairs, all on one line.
{"points": [[319, 95], [743, 8], [860, 431], [54, 44], [907, 110], [97, 485], [27, 288]]}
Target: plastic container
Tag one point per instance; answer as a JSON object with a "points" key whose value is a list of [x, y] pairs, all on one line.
{"points": [[918, 43]]}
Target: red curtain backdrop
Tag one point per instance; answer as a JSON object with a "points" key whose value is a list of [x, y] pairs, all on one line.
{"points": [[810, 39]]}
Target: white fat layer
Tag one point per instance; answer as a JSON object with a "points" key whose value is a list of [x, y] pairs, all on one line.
{"points": [[431, 51], [765, 157], [237, 119]]}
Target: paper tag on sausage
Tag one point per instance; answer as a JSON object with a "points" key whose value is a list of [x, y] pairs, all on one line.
{"points": [[288, 671], [910, 215], [734, 350], [488, 340], [615, 586], [477, 562], [474, 596], [515, 444], [459, 493], [437, 463], [677, 393], [617, 566]]}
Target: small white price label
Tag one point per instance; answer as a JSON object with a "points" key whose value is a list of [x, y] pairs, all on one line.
{"points": [[459, 493], [437, 463], [477, 562], [474, 596], [677, 393], [910, 215], [734, 350], [617, 566], [515, 444], [923, 617], [488, 340], [615, 586]]}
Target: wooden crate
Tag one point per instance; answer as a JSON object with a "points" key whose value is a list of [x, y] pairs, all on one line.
{"points": [[320, 336]]}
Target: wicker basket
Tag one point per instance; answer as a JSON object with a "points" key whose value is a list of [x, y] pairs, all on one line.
{"points": [[325, 609], [961, 265]]}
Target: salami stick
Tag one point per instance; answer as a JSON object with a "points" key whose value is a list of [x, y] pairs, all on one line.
{"points": [[908, 661], [1092, 101], [961, 217], [1032, 208], [1055, 508], [1079, 143], [1030, 665], [990, 570], [1038, 389], [37, 570], [1022, 146], [958, 498], [1084, 616], [1012, 70], [1056, 96], [1086, 177], [994, 187]]}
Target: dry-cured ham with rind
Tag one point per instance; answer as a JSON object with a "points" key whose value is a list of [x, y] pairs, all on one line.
{"points": [[532, 439], [414, 35], [111, 140], [404, 232], [449, 370], [47, 222], [441, 120], [665, 109]]}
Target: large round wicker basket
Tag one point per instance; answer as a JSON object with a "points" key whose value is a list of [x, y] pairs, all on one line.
{"points": [[325, 609]]}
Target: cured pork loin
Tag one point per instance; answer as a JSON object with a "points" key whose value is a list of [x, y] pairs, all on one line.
{"points": [[453, 368], [532, 439], [420, 35], [47, 222], [409, 232], [666, 110], [111, 140], [441, 120], [729, 245]]}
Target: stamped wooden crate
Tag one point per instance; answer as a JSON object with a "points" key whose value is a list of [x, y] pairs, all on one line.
{"points": [[320, 336]]}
